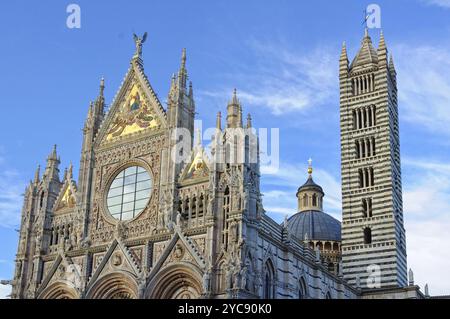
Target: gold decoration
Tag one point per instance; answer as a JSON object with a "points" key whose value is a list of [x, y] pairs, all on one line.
{"points": [[134, 116]]}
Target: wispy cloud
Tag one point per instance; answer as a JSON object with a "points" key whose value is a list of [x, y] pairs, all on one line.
{"points": [[284, 80], [427, 221], [11, 188], [280, 187], [424, 87], [439, 3]]}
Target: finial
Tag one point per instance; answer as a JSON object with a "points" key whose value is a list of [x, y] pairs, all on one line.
{"points": [[234, 99], [183, 57], [70, 173], [249, 120], [411, 277], [53, 155], [37, 174], [138, 42], [366, 32], [310, 170], [102, 85], [219, 120]]}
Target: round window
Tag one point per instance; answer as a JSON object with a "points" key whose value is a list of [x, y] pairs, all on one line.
{"points": [[129, 193]]}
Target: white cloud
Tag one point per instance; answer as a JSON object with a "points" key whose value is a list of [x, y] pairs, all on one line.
{"points": [[439, 3], [285, 81], [424, 87], [427, 221], [11, 188], [5, 290]]}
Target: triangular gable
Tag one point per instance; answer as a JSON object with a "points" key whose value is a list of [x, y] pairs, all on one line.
{"points": [[118, 257], [179, 248], [67, 198], [136, 109], [197, 167], [62, 269]]}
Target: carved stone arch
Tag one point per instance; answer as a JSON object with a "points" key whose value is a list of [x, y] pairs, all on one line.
{"points": [[303, 292], [177, 281], [269, 279], [118, 285], [220, 281], [59, 290]]}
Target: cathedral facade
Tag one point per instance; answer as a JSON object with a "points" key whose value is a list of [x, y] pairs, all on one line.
{"points": [[152, 214]]}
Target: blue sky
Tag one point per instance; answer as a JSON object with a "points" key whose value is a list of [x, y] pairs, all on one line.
{"points": [[282, 56]]}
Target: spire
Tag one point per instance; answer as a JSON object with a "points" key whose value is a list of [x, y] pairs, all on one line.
{"points": [[381, 43], [367, 54], [427, 292], [37, 174], [249, 120], [234, 112], [344, 56], [102, 86], [391, 66], [219, 120], [53, 156], [382, 50], [52, 171], [182, 73]]}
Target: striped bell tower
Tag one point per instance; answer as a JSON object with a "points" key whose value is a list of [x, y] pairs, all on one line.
{"points": [[373, 236]]}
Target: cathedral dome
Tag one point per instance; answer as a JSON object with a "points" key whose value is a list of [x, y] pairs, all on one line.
{"points": [[311, 223], [314, 225]]}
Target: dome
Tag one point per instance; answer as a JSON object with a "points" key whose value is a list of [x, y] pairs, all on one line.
{"points": [[316, 224]]}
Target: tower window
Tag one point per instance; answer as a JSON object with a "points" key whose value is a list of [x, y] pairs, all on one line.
{"points": [[314, 200], [367, 207], [367, 236]]}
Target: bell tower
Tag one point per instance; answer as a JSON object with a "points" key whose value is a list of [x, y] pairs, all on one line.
{"points": [[373, 236]]}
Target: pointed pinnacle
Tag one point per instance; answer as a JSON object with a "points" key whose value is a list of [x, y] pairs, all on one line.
{"points": [[183, 58], [219, 120], [249, 120], [37, 174], [382, 43]]}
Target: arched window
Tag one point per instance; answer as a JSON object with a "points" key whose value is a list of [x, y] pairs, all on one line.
{"points": [[305, 200], [361, 178], [367, 236], [194, 207], [268, 280], [365, 210], [314, 200], [201, 206], [225, 214], [302, 291], [357, 149], [41, 201]]}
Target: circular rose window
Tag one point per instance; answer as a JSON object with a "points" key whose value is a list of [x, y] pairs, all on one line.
{"points": [[129, 193]]}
